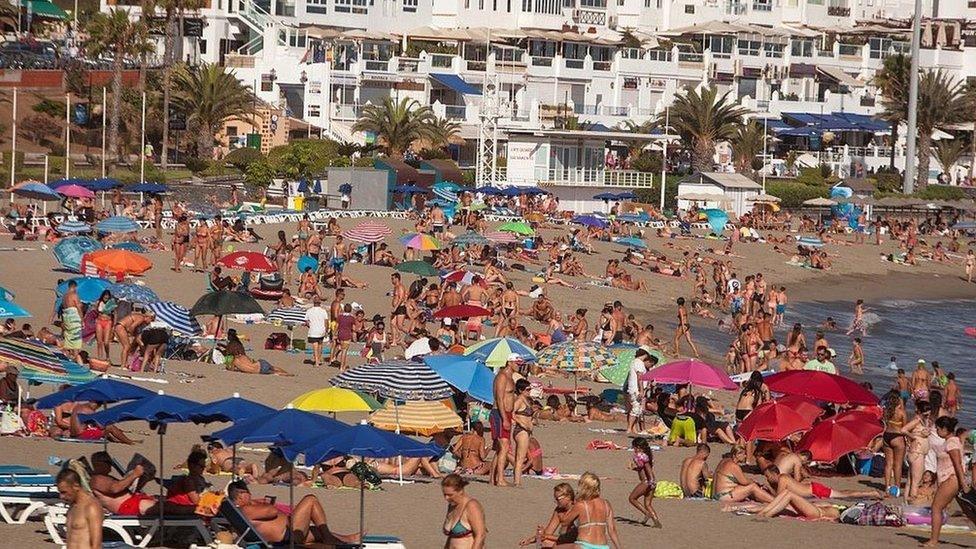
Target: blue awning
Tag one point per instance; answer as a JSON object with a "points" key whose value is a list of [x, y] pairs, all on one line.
{"points": [[455, 83], [834, 122], [865, 122]]}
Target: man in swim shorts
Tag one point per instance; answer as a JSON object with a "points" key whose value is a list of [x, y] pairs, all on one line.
{"points": [[500, 418], [786, 483]]}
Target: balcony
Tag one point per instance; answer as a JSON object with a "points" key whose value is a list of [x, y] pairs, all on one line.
{"points": [[455, 112], [691, 60], [574, 63], [542, 61], [838, 11], [601, 66], [594, 177], [347, 111], [377, 66], [441, 61], [590, 17], [408, 64]]}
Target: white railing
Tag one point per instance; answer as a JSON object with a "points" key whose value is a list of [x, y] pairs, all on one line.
{"points": [[580, 177]]}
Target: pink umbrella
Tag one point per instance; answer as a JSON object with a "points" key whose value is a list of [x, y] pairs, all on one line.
{"points": [[75, 191], [693, 372]]}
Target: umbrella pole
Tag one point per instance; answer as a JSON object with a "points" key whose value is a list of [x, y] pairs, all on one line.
{"points": [[162, 518], [396, 411], [233, 461], [362, 507], [291, 505]]}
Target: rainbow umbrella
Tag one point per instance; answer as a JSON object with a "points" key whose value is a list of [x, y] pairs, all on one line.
{"points": [[494, 352], [40, 363], [618, 373], [420, 241], [576, 356], [416, 417]]}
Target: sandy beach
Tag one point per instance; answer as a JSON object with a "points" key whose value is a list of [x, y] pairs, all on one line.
{"points": [[414, 512]]}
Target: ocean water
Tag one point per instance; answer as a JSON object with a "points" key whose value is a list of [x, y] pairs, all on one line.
{"points": [[908, 330]]}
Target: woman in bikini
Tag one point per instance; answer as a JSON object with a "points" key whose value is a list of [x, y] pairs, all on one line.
{"points": [[596, 528], [894, 441], [281, 251], [304, 232], [683, 330], [607, 325], [558, 532], [521, 426], [642, 494], [181, 239], [917, 432], [105, 306], [730, 482], [201, 244], [464, 524]]}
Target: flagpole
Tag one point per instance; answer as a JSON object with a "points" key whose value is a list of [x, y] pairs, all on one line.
{"points": [[67, 136], [142, 150], [103, 129], [13, 143], [664, 157]]}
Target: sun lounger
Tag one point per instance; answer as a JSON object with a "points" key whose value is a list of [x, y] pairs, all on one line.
{"points": [[135, 531], [19, 503], [248, 536]]}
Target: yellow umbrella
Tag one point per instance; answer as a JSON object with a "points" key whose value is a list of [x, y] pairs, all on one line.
{"points": [[416, 417], [335, 399]]}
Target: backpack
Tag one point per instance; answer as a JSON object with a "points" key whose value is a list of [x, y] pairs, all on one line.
{"points": [[873, 514], [277, 341]]}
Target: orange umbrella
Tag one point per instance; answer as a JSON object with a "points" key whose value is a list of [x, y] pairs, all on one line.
{"points": [[116, 261]]}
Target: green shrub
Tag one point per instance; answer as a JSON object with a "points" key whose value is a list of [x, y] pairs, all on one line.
{"points": [[196, 165], [260, 173], [243, 157], [887, 181], [652, 194], [793, 193], [647, 161], [941, 192]]}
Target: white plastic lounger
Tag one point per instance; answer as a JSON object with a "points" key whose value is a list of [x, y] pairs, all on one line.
{"points": [[135, 531], [18, 505]]}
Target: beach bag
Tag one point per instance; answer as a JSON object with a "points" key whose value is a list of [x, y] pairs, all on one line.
{"points": [[10, 422], [447, 464], [278, 341], [668, 489], [135, 363], [873, 514]]}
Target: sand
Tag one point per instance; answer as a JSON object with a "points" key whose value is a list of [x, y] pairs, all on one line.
{"points": [[415, 512]]}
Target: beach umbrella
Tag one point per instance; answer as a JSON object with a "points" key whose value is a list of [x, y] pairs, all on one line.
{"points": [[103, 184], [772, 421], [469, 238], [717, 219], [844, 433], [626, 195], [420, 268], [820, 386], [248, 261], [225, 302], [9, 309], [494, 352], [462, 311], [134, 247], [119, 262], [117, 224], [810, 242], [460, 276], [177, 317], [35, 191], [693, 372], [100, 391], [158, 410], [631, 242], [500, 237], [575, 357], [400, 380], [307, 262], [73, 226], [606, 197], [804, 406], [39, 363], [335, 399], [62, 182], [819, 202], [488, 190], [133, 293], [416, 417], [617, 374], [89, 288], [445, 194], [69, 251], [368, 232], [419, 241], [6, 294], [364, 441], [75, 191], [590, 221], [231, 409], [534, 191], [281, 427], [466, 374], [516, 227], [244, 208], [288, 316], [148, 187]]}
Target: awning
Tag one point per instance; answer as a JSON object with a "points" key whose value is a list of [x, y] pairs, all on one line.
{"points": [[840, 77], [455, 83], [43, 8]]}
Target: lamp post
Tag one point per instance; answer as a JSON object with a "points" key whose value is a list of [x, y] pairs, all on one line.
{"points": [[664, 154], [13, 142], [908, 182]]}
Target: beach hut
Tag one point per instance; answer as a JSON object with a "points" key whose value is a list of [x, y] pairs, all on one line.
{"points": [[738, 190]]}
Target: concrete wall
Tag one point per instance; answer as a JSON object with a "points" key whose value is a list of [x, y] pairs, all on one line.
{"points": [[370, 187]]}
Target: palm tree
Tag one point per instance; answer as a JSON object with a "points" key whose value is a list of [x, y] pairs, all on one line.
{"points": [[114, 34], [208, 95], [747, 144], [398, 124], [636, 146], [574, 124], [443, 131], [948, 152], [940, 102], [702, 119], [893, 82]]}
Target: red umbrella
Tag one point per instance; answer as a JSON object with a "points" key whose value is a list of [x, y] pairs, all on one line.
{"points": [[772, 421], [848, 432], [804, 406], [248, 261], [462, 311], [368, 231], [820, 386]]}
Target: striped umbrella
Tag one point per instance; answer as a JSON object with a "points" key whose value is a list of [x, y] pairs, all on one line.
{"points": [[73, 226], [494, 352], [117, 224], [810, 241], [445, 194], [289, 316], [576, 356], [41, 363], [469, 238], [176, 317], [500, 237], [69, 251], [400, 380], [133, 293], [368, 231], [35, 191], [420, 241], [416, 417]]}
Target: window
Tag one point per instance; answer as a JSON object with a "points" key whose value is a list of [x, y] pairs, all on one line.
{"points": [[773, 49], [647, 4], [598, 4], [410, 5], [721, 45], [351, 6], [762, 5], [802, 47], [203, 47], [690, 8], [316, 6], [314, 111], [749, 47]]}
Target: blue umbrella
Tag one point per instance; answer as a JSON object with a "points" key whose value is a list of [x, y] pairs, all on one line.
{"points": [[632, 242], [232, 409], [117, 224], [307, 261], [464, 373], [74, 226], [605, 196], [100, 391], [409, 189], [89, 288], [103, 184], [717, 219], [278, 427], [626, 195], [70, 181], [176, 317], [69, 251], [488, 190], [510, 191], [148, 187], [6, 294], [9, 309], [590, 221], [134, 247], [133, 293], [534, 191], [36, 191]]}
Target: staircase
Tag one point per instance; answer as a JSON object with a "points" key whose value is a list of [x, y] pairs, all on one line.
{"points": [[257, 20]]}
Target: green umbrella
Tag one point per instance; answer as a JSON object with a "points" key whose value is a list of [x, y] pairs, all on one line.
{"points": [[421, 268], [617, 374], [517, 227]]}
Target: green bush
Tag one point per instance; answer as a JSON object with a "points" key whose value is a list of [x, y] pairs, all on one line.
{"points": [[50, 107], [647, 161], [243, 157], [652, 194], [941, 192], [260, 173], [887, 181], [793, 193], [196, 165]]}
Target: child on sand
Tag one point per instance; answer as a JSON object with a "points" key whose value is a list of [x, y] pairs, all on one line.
{"points": [[643, 493]]}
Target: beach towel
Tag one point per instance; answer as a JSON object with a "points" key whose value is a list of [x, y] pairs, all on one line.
{"points": [[668, 489], [604, 445], [71, 324]]}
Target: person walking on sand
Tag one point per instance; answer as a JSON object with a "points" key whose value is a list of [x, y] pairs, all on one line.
{"points": [[683, 330], [181, 239], [642, 494], [500, 418], [317, 319], [635, 408], [464, 524], [85, 514], [949, 473]]}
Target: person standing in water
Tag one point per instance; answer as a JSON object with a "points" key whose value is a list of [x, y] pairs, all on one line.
{"points": [[857, 324], [856, 360]]}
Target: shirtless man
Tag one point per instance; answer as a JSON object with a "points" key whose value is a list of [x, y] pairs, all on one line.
{"points": [[67, 423], [694, 472], [126, 330], [115, 495], [315, 244], [793, 464], [786, 483], [181, 238], [437, 220], [335, 309], [921, 379], [449, 295], [510, 301], [542, 309], [398, 304], [308, 520], [85, 515], [619, 321], [500, 418]]}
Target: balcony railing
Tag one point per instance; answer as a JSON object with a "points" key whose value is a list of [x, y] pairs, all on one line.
{"points": [[579, 177], [408, 64], [574, 63], [542, 61], [378, 66], [455, 112], [838, 11], [590, 17], [441, 61], [601, 65], [347, 111]]}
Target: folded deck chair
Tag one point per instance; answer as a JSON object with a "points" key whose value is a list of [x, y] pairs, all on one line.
{"points": [[20, 503], [134, 531]]}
